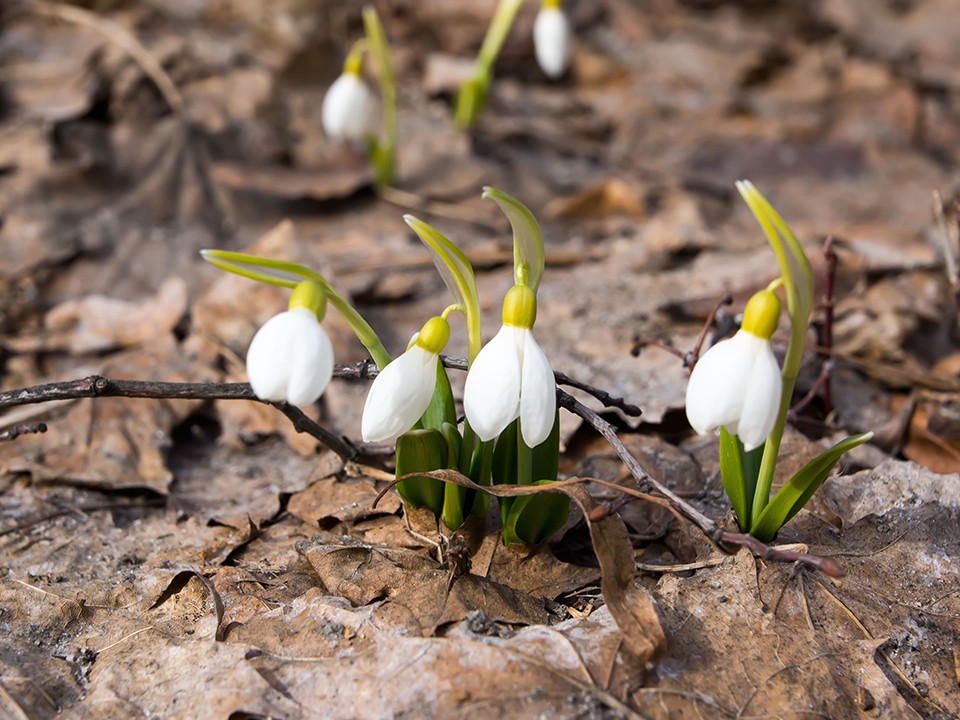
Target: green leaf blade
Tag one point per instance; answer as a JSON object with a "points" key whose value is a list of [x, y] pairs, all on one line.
{"points": [[800, 488]]}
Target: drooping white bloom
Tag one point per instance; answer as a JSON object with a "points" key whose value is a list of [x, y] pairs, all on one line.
{"points": [[737, 382], [552, 41], [346, 108], [511, 378], [290, 358], [402, 391]]}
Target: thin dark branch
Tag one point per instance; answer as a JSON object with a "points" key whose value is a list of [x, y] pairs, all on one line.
{"points": [[723, 538], [695, 350], [98, 386], [18, 430], [689, 358]]}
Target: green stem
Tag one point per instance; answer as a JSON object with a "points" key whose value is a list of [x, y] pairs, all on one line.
{"points": [[365, 334], [473, 92], [385, 147], [497, 35]]}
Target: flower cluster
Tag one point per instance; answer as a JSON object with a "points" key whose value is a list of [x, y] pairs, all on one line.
{"points": [[509, 398]]}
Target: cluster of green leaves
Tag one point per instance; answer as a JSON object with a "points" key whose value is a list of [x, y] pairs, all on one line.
{"points": [[437, 444]]}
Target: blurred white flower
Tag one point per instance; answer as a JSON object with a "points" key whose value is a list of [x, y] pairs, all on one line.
{"points": [[737, 383], [290, 358], [552, 41], [510, 378], [346, 108], [402, 391]]}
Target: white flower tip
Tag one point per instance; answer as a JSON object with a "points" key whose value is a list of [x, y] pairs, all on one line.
{"points": [[552, 41], [399, 395], [346, 108], [290, 358]]}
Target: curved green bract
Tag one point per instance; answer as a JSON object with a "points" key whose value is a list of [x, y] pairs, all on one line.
{"points": [[457, 274], [261, 269], [289, 274], [528, 253]]}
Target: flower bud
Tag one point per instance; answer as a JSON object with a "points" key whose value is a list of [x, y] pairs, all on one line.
{"points": [[347, 108], [552, 39]]}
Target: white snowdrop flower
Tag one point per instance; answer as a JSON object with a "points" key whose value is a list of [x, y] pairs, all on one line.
{"points": [[290, 358], [737, 383], [552, 39], [511, 377], [402, 391], [347, 107]]}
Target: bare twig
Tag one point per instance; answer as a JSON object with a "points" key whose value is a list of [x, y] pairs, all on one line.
{"points": [[18, 430], [98, 386], [690, 357]]}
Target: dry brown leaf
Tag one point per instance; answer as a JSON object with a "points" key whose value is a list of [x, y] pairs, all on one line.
{"points": [[606, 198], [97, 323]]}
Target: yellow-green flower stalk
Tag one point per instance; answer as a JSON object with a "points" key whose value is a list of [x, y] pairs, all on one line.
{"points": [[473, 93]]}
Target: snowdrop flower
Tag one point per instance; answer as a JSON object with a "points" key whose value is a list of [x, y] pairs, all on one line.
{"points": [[737, 383], [347, 105], [552, 39], [290, 357], [511, 377], [402, 391]]}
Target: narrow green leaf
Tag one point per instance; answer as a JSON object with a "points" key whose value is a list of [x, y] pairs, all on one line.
{"points": [[794, 264], [422, 451], [528, 253], [800, 488], [732, 475]]}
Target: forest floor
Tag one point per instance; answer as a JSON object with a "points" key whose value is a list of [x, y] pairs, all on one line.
{"points": [[191, 558]]}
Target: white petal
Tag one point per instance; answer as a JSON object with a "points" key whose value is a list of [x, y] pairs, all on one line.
{"points": [[346, 108], [290, 358], [718, 384], [491, 396], [762, 400], [538, 394], [399, 395], [552, 41]]}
